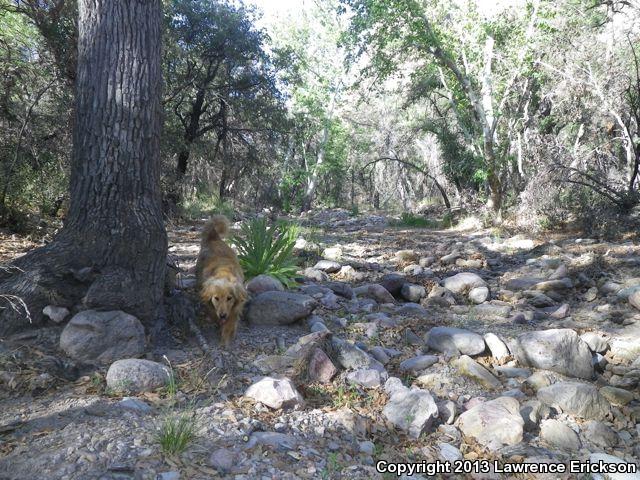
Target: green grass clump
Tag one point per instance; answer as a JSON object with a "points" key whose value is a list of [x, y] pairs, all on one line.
{"points": [[409, 219], [176, 432], [205, 205], [265, 249]]}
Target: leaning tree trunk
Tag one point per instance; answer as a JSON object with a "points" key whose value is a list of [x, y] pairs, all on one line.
{"points": [[111, 253]]}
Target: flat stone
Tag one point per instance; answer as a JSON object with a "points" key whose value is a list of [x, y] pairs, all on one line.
{"points": [[498, 348], [450, 339], [374, 291], [494, 423], [134, 375], [276, 440], [579, 399], [559, 435], [368, 378], [559, 350], [522, 283], [350, 357], [617, 396], [419, 363], [488, 310], [328, 266], [410, 410], [463, 282], [279, 308], [275, 393], [472, 369]]}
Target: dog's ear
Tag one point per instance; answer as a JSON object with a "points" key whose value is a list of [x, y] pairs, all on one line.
{"points": [[206, 292]]}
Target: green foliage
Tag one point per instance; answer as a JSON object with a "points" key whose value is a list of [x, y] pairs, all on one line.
{"points": [[176, 432], [264, 249], [205, 204]]}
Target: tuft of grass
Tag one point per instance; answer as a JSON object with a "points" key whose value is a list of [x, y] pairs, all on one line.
{"points": [[176, 432], [408, 219], [265, 249]]}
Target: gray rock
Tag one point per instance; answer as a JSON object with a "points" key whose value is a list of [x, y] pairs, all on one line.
{"points": [[522, 283], [264, 283], [366, 377], [578, 399], [350, 357], [450, 339], [479, 295], [426, 261], [412, 310], [561, 312], [315, 274], [419, 363], [379, 354], [559, 435], [494, 423], [341, 288], [279, 308], [350, 274], [223, 460], [617, 396], [463, 282], [600, 434], [489, 310], [604, 458], [447, 411], [512, 372], [411, 410], [367, 447], [472, 369], [449, 453], [541, 379], [440, 296], [559, 350], [275, 393], [134, 404], [393, 282], [559, 285], [450, 258], [328, 266], [332, 253], [276, 440], [532, 412], [374, 291], [103, 337], [56, 314], [597, 342], [413, 293], [498, 348], [634, 299], [321, 368], [406, 255], [134, 375]]}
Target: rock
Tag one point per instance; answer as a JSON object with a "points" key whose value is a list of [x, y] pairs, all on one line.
{"points": [[332, 253], [223, 460], [328, 266], [538, 299], [413, 293], [498, 348], [489, 310], [600, 434], [365, 377], [561, 312], [597, 458], [350, 357], [379, 354], [134, 404], [103, 337], [412, 310], [541, 379], [591, 294], [463, 282], [559, 285], [578, 399], [341, 288], [494, 423], [367, 447], [350, 274], [512, 372], [419, 363], [168, 476], [450, 339], [410, 410], [597, 342], [559, 435], [532, 412], [275, 393], [559, 350], [450, 258], [407, 256], [634, 299], [449, 453], [56, 314], [479, 295], [416, 270], [440, 296], [559, 272], [279, 308], [276, 440], [617, 396], [469, 263], [393, 282], [134, 375], [264, 283], [315, 275], [374, 291], [321, 368], [472, 369], [522, 283]]}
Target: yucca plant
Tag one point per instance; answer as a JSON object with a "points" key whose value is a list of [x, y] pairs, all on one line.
{"points": [[264, 249]]}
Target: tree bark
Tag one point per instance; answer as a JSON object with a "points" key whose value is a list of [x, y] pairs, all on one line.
{"points": [[111, 253]]}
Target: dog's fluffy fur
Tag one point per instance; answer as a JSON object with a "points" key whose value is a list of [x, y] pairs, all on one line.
{"points": [[220, 278]]}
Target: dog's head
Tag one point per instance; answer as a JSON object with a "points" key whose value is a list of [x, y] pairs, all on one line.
{"points": [[224, 295]]}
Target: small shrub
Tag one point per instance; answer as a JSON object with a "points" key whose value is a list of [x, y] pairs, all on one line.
{"points": [[176, 432], [264, 249], [409, 219], [205, 205]]}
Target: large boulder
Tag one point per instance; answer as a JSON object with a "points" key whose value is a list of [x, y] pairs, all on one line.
{"points": [[264, 283], [494, 424], [579, 399], [558, 350], [453, 340], [103, 337], [275, 393], [133, 375], [463, 282], [279, 308]]}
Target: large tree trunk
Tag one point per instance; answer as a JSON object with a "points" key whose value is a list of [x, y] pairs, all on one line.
{"points": [[111, 253]]}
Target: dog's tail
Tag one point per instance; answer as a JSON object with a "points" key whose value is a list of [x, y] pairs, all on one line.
{"points": [[216, 228]]}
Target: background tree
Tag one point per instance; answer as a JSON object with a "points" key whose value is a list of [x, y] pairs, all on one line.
{"points": [[111, 252]]}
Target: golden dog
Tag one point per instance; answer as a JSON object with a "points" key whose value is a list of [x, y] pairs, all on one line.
{"points": [[220, 278]]}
